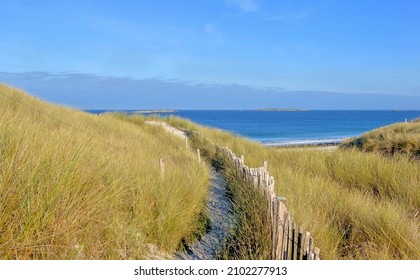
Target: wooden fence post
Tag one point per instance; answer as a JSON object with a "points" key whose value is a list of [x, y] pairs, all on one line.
{"points": [[186, 143], [162, 168], [299, 245], [198, 155], [279, 237], [311, 248], [316, 253], [286, 236], [289, 242], [294, 242], [274, 227], [306, 246]]}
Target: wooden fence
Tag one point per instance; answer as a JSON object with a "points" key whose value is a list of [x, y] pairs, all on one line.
{"points": [[290, 242]]}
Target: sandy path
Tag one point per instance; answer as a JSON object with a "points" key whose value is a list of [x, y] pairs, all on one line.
{"points": [[221, 219], [218, 211], [170, 129]]}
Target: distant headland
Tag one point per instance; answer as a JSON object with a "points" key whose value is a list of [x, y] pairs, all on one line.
{"points": [[280, 110]]}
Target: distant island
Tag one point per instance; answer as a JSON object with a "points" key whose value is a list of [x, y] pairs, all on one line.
{"points": [[154, 111], [280, 110]]}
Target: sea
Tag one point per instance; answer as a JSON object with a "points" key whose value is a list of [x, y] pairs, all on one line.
{"points": [[288, 128]]}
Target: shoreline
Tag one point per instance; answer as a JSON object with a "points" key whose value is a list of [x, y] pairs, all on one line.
{"points": [[326, 147], [303, 143]]}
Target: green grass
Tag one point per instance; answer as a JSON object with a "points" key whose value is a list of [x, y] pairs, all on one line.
{"points": [[79, 186], [399, 138], [357, 205]]}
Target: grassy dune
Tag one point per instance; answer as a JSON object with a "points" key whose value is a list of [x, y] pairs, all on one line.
{"points": [[357, 205], [79, 186], [402, 138], [74, 185]]}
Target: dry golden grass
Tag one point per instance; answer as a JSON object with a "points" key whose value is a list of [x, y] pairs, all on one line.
{"points": [[79, 186], [356, 205], [399, 138]]}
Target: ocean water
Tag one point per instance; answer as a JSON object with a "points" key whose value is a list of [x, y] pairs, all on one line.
{"points": [[295, 127]]}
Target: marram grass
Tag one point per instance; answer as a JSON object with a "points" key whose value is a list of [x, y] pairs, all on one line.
{"points": [[79, 186], [357, 205], [399, 138]]}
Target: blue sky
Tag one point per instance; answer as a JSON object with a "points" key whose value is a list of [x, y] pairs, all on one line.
{"points": [[339, 46]]}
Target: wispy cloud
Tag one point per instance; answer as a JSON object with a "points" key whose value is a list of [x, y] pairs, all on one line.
{"points": [[292, 17], [250, 6], [247, 6]]}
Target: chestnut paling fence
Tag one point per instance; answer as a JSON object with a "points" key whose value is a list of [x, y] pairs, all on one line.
{"points": [[289, 241]]}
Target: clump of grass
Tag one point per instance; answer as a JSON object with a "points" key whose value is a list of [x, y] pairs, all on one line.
{"points": [[250, 239], [399, 138], [396, 179], [356, 205], [79, 186]]}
